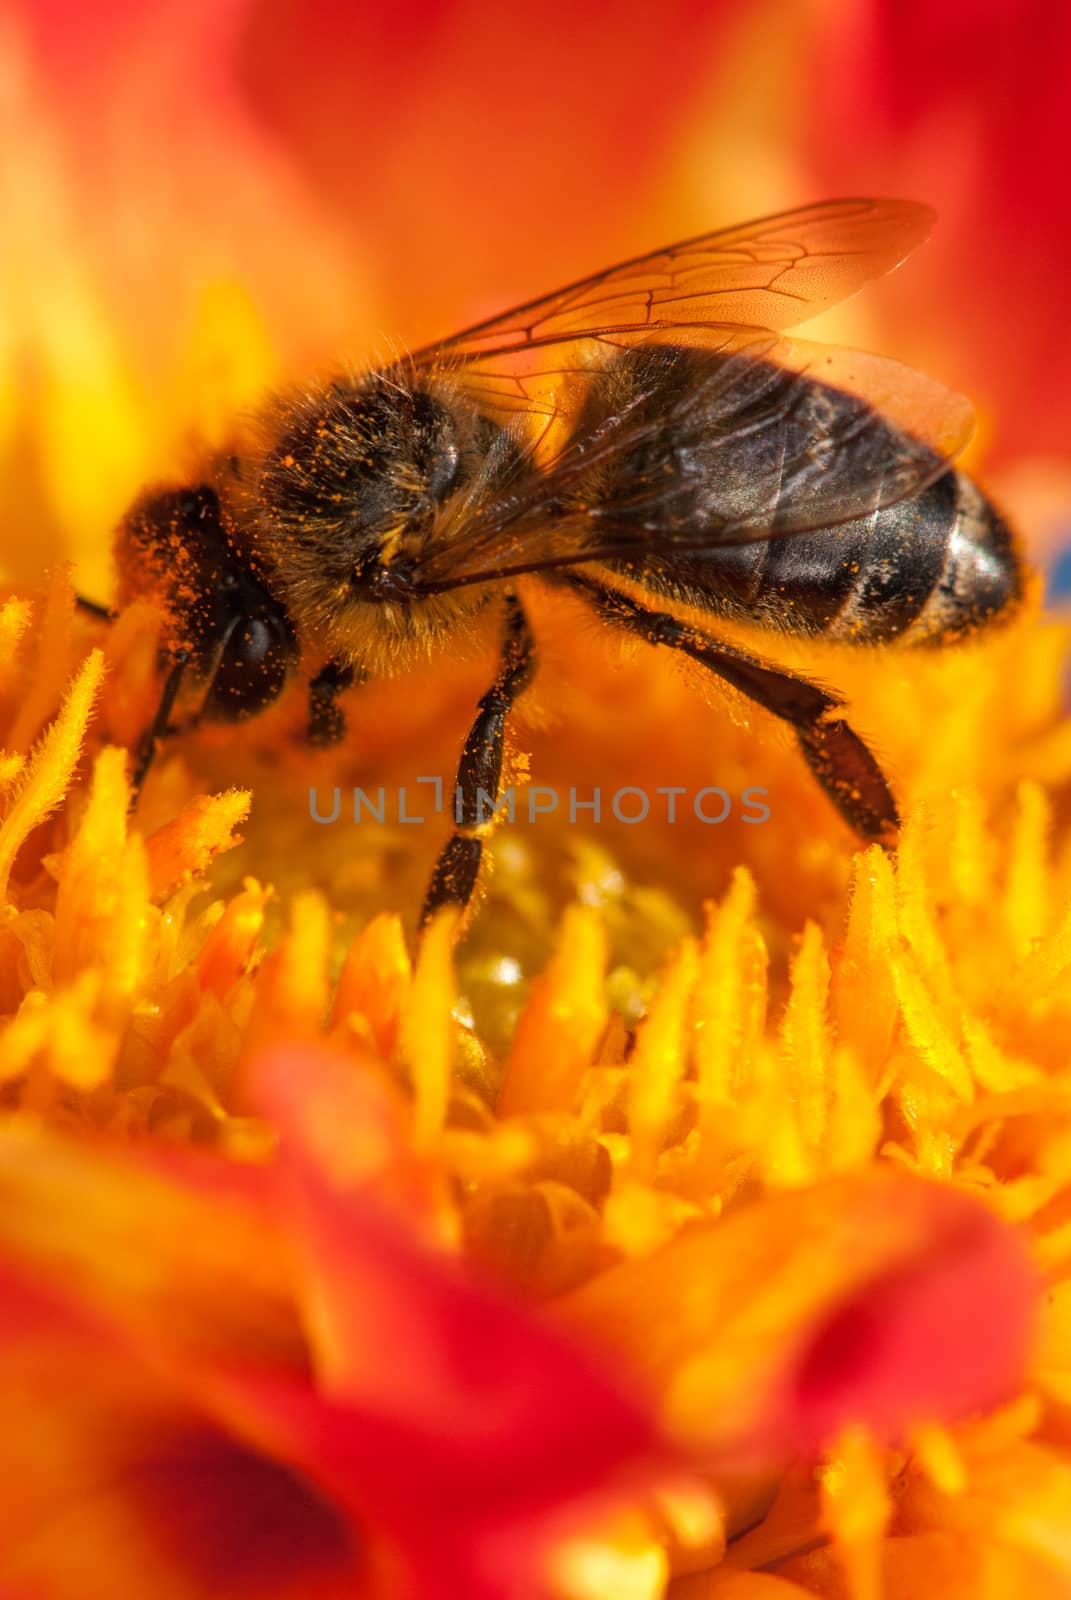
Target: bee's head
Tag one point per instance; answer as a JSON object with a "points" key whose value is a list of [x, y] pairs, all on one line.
{"points": [[176, 546]]}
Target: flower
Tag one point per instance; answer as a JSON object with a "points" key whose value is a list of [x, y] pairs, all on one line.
{"points": [[268, 1412], [693, 1223]]}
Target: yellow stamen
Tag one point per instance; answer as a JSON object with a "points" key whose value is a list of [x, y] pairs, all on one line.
{"points": [[51, 766]]}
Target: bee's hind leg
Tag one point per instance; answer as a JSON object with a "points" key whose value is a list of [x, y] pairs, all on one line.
{"points": [[842, 763], [479, 772]]}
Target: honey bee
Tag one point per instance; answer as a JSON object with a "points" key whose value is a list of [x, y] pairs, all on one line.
{"points": [[644, 439]]}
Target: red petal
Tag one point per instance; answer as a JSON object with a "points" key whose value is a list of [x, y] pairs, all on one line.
{"points": [[108, 1470], [458, 1412], [876, 1298], [942, 1336]]}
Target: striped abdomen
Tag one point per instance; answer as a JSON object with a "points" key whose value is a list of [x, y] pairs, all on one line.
{"points": [[710, 449], [924, 570]]}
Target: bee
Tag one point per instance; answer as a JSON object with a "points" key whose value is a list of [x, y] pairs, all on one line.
{"points": [[646, 439]]}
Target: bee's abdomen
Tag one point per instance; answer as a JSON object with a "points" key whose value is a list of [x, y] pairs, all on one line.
{"points": [[924, 570], [929, 568]]}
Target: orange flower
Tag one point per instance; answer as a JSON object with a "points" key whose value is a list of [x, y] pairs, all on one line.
{"points": [[315, 1400], [294, 1341], [696, 1228]]}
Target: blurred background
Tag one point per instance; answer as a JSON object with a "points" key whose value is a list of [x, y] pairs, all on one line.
{"points": [[197, 199]]}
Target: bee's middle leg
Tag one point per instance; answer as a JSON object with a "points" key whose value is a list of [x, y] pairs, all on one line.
{"points": [[842, 763], [479, 772]]}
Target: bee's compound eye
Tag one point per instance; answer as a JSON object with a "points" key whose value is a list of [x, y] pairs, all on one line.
{"points": [[253, 644], [198, 504], [252, 669]]}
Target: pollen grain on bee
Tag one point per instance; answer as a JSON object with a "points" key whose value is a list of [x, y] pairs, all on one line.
{"points": [[528, 803]]}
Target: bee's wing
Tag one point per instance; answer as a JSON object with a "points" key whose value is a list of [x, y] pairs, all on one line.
{"points": [[783, 462], [774, 273], [605, 437]]}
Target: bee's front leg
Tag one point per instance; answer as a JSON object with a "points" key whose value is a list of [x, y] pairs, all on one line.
{"points": [[93, 608], [160, 727], [327, 720], [479, 772]]}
